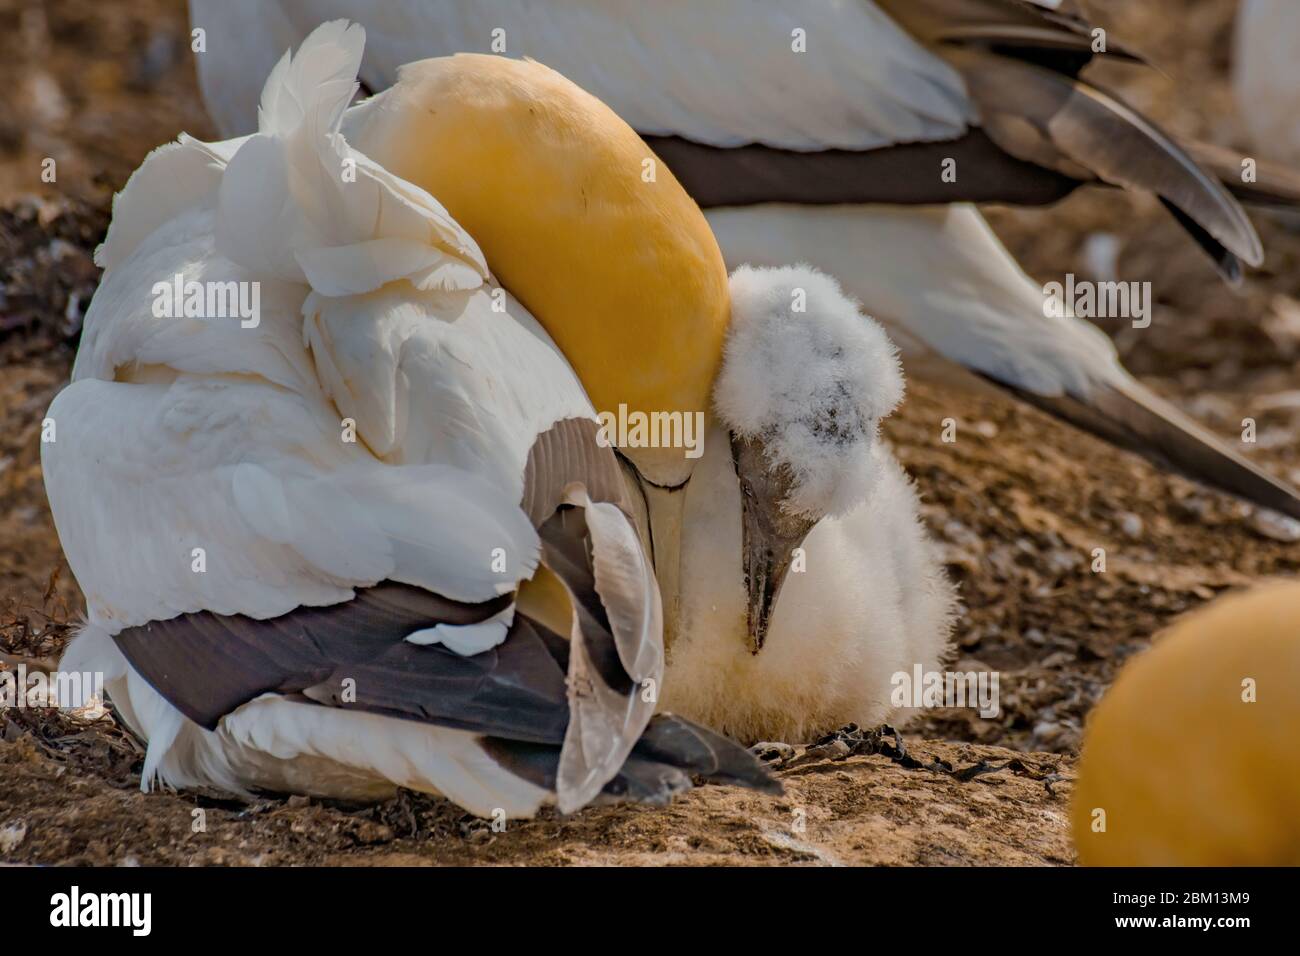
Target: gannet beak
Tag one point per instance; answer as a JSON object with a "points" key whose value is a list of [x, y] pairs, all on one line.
{"points": [[769, 534]]}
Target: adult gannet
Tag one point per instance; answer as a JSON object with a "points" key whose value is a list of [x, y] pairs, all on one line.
{"points": [[796, 120], [1192, 757], [364, 534], [796, 575]]}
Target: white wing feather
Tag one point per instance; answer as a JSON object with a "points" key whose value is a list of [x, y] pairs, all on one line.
{"points": [[725, 72], [200, 432], [123, 334], [286, 514], [173, 178], [242, 40], [938, 279], [296, 192]]}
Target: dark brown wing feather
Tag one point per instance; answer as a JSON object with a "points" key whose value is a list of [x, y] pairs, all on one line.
{"points": [[1060, 39], [208, 664], [898, 175], [566, 452], [1275, 186], [1064, 123], [670, 752], [565, 700], [698, 750], [1044, 132]]}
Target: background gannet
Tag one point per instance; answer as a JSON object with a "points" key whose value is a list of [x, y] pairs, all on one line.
{"points": [[456, 601], [878, 96], [1191, 758]]}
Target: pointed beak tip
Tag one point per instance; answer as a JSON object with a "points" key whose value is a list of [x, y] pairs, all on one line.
{"points": [[761, 601]]}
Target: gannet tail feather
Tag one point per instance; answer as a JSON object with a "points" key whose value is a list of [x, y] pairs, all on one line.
{"points": [[671, 752], [1272, 185], [697, 750], [1022, 62], [1065, 123], [1129, 415]]}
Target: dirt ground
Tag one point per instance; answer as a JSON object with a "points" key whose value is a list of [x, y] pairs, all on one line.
{"points": [[1019, 502]]}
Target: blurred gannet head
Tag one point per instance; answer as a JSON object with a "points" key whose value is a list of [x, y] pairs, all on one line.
{"points": [[576, 217], [804, 383]]}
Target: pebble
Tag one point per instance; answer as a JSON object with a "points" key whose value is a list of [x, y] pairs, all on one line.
{"points": [[11, 836], [771, 751], [1057, 659], [1277, 527], [1047, 731]]}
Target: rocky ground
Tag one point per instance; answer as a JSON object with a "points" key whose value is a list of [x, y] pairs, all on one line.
{"points": [[1019, 502]]}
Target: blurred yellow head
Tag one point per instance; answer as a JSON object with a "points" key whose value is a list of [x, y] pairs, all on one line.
{"points": [[577, 218], [1193, 756]]}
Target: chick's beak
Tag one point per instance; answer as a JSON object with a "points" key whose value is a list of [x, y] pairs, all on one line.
{"points": [[769, 534]]}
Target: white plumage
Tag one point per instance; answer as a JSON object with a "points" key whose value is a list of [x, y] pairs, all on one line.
{"points": [[218, 448], [942, 277], [1265, 78], [673, 67]]}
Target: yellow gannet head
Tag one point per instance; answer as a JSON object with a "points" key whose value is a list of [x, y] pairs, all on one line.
{"points": [[1192, 757], [577, 217]]}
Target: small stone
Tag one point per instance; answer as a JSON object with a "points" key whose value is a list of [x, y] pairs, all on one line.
{"points": [[833, 749], [1130, 524], [1046, 731], [772, 752], [1052, 661], [1276, 527], [11, 836]]}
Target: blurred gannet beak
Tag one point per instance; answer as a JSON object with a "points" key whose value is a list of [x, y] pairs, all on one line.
{"points": [[769, 534]]}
